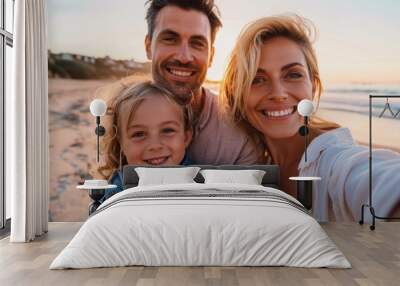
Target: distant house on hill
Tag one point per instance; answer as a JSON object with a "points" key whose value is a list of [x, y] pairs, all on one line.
{"points": [[107, 61], [68, 65], [65, 57], [89, 60], [132, 64]]}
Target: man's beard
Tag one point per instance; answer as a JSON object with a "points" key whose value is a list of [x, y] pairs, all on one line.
{"points": [[183, 91]]}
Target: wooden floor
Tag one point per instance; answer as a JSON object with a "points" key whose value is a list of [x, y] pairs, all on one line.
{"points": [[374, 255]]}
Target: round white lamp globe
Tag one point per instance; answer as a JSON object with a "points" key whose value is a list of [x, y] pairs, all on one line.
{"points": [[98, 107], [305, 107]]}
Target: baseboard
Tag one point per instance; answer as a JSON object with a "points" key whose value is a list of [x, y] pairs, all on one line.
{"points": [[5, 231]]}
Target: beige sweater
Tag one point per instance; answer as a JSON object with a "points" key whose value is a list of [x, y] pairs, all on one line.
{"points": [[217, 141]]}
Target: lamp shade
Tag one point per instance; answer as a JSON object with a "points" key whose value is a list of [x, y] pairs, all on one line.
{"points": [[305, 107], [98, 107]]}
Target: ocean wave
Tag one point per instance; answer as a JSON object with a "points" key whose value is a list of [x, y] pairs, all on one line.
{"points": [[355, 98]]}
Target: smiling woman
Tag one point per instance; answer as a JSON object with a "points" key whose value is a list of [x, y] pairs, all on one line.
{"points": [[272, 68], [283, 75]]}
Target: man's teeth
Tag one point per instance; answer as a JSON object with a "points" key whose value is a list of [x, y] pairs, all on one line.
{"points": [[278, 113], [157, 161], [180, 73]]}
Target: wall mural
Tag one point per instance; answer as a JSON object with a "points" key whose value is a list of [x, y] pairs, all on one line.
{"points": [[95, 43]]}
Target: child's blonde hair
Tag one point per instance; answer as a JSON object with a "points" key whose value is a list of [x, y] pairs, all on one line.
{"points": [[121, 93]]}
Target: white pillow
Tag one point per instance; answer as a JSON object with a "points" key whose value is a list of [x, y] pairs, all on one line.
{"points": [[163, 176], [249, 177]]}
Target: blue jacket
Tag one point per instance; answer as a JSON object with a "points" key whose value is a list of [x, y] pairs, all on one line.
{"points": [[117, 180]]}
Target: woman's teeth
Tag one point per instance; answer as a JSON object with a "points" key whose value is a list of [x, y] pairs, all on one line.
{"points": [[156, 161], [278, 113]]}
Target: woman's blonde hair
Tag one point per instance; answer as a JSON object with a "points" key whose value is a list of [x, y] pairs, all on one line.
{"points": [[121, 93], [244, 60]]}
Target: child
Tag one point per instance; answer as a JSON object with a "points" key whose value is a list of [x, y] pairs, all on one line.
{"points": [[148, 127]]}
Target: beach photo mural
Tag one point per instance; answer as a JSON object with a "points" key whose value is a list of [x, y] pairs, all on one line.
{"points": [[94, 43]]}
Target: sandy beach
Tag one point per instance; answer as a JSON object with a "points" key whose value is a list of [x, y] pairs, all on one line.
{"points": [[385, 132], [72, 145], [73, 142]]}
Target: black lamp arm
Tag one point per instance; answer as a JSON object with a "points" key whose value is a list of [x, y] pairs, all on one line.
{"points": [[100, 131], [306, 138], [303, 131], [98, 136]]}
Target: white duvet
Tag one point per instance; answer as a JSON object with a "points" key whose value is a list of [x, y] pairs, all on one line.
{"points": [[183, 231]]}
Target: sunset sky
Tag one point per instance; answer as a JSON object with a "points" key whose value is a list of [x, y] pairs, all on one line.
{"points": [[358, 42]]}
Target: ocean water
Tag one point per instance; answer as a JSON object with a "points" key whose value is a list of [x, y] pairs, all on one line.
{"points": [[355, 98]]}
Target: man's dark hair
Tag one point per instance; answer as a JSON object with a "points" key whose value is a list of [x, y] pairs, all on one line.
{"points": [[205, 6]]}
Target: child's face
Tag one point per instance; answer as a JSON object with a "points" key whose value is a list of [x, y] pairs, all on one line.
{"points": [[156, 134]]}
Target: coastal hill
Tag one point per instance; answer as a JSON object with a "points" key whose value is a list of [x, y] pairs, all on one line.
{"points": [[74, 66]]}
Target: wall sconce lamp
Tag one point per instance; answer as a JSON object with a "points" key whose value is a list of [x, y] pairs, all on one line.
{"points": [[97, 188], [305, 184], [305, 108], [98, 108]]}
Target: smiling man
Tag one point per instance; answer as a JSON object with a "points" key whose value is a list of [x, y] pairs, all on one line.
{"points": [[179, 43]]}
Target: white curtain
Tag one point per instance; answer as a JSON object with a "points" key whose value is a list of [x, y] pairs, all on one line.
{"points": [[27, 140]]}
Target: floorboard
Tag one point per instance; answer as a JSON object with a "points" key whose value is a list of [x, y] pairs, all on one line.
{"points": [[374, 255]]}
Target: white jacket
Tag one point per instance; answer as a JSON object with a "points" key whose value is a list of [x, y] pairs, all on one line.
{"points": [[344, 170]]}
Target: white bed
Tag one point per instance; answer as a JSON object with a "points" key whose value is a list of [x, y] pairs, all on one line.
{"points": [[201, 224]]}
